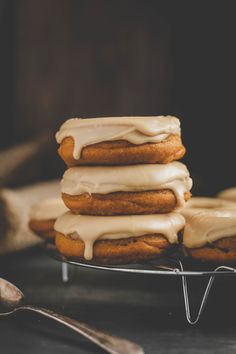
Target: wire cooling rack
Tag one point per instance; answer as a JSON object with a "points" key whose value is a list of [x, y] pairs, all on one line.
{"points": [[183, 268]]}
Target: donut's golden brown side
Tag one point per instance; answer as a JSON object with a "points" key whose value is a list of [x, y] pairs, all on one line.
{"points": [[43, 228], [122, 251], [123, 153], [222, 251], [123, 203]]}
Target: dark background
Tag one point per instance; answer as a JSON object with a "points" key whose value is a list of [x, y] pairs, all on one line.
{"points": [[65, 58]]}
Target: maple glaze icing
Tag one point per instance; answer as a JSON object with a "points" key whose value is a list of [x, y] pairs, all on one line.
{"points": [[102, 179], [48, 209], [208, 220], [136, 130], [92, 228]]}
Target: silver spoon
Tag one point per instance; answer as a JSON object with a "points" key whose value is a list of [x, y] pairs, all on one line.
{"points": [[11, 301]]}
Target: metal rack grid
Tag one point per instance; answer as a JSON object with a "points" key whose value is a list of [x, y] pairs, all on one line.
{"points": [[162, 267]]}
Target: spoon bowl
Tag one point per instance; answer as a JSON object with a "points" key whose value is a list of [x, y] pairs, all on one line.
{"points": [[10, 296]]}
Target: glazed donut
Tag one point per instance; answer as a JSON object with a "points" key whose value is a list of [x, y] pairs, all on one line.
{"points": [[126, 190], [43, 216], [120, 141], [117, 239], [210, 230]]}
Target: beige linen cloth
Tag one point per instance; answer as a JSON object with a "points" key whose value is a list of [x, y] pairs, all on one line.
{"points": [[17, 166]]}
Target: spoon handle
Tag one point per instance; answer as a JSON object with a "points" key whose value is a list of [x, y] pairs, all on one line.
{"points": [[111, 344]]}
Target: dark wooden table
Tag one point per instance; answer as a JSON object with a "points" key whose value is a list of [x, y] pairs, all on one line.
{"points": [[146, 309]]}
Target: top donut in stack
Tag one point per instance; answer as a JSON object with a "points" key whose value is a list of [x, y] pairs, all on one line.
{"points": [[120, 141], [123, 186]]}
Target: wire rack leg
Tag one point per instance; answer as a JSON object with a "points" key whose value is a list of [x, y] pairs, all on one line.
{"points": [[203, 302], [65, 272], [189, 317]]}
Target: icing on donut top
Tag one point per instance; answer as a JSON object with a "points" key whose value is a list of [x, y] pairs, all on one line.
{"points": [[208, 220], [136, 130], [48, 209], [92, 228], [228, 194], [107, 179]]}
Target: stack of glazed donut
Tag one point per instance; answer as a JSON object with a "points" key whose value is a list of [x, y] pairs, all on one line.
{"points": [[125, 198], [123, 187]]}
